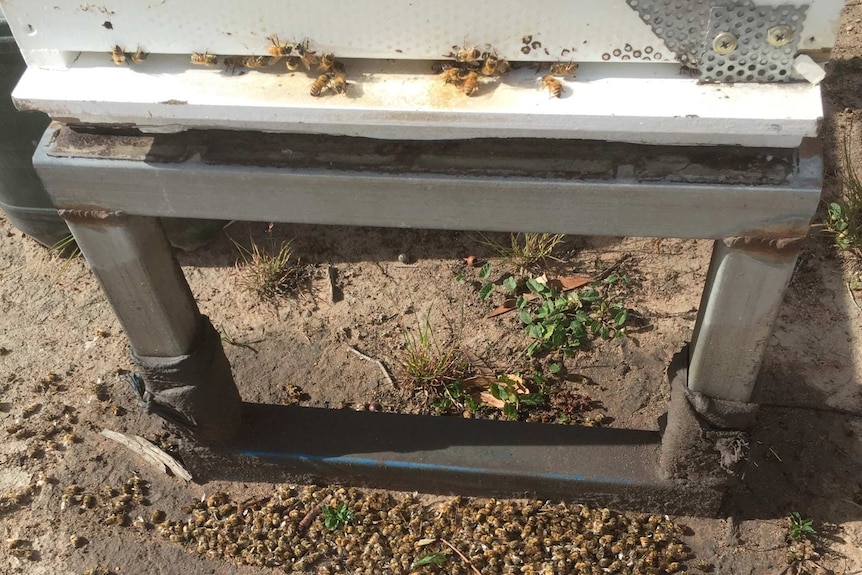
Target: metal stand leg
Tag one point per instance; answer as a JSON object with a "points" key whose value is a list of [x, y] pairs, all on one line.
{"points": [[744, 290], [187, 379]]}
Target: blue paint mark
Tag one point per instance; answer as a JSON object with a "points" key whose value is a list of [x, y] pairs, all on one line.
{"points": [[396, 464]]}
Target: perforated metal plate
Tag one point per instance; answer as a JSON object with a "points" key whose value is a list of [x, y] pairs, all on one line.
{"points": [[680, 23], [689, 29], [766, 40]]}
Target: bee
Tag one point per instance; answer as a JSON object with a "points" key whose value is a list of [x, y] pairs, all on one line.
{"points": [[471, 83], [555, 88], [204, 59], [453, 76], [327, 62], [306, 56], [118, 55], [278, 50], [136, 58], [564, 68], [256, 61], [293, 63], [319, 86], [490, 64], [465, 55], [339, 83]]}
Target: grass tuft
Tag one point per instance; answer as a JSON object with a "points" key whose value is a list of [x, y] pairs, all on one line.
{"points": [[270, 275], [526, 250]]}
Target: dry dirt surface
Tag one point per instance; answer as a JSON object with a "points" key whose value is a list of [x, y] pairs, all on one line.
{"points": [[74, 502]]}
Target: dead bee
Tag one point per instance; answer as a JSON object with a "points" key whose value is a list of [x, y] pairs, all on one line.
{"points": [[136, 58], [278, 50], [554, 86], [339, 83], [118, 55], [292, 63], [471, 83], [327, 62], [319, 86], [564, 68], [204, 59]]}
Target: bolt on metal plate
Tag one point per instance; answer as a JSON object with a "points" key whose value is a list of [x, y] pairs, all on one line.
{"points": [[681, 24], [766, 40], [724, 43]]}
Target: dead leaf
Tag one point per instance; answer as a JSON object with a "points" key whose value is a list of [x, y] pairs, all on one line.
{"points": [[565, 283], [479, 387]]}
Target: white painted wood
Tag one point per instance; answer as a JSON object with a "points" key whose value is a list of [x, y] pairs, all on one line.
{"points": [[585, 30], [619, 102], [420, 30]]}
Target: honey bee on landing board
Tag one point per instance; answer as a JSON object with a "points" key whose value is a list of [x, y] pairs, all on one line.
{"points": [[564, 68], [471, 83], [326, 63], [256, 61], [293, 63], [278, 50], [118, 55], [204, 59], [465, 55], [306, 56], [339, 83], [554, 86], [319, 86], [139, 56], [452, 76]]}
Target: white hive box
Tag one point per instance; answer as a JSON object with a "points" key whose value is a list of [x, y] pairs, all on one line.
{"points": [[629, 86]]}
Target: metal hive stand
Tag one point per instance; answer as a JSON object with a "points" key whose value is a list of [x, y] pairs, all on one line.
{"points": [[756, 204]]}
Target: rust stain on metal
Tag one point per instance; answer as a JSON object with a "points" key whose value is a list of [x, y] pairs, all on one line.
{"points": [[781, 247], [92, 216]]}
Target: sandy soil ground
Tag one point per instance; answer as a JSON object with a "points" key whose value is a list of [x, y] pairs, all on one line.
{"points": [[61, 350]]}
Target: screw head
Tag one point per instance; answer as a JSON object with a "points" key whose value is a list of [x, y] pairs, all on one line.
{"points": [[779, 35], [724, 43]]}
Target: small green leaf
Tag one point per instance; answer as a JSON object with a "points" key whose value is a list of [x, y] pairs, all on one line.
{"points": [[485, 271], [496, 391], [510, 283], [510, 411], [621, 318], [531, 350], [435, 558], [525, 316], [460, 278], [534, 286], [521, 302], [486, 290], [554, 368], [531, 399]]}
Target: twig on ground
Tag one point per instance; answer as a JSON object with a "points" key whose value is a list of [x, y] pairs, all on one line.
{"points": [[149, 452], [379, 363], [228, 339], [462, 556], [853, 296], [607, 271], [309, 517]]}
